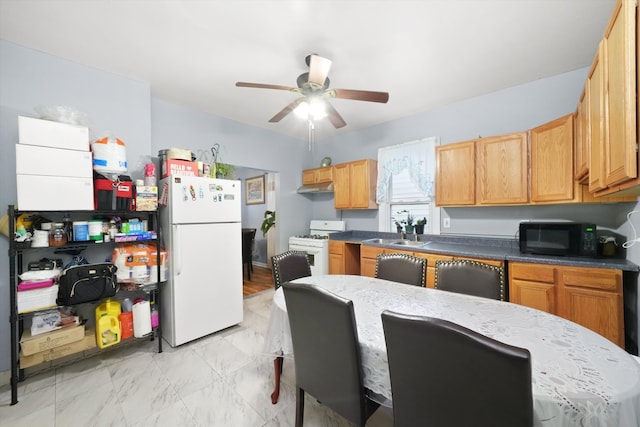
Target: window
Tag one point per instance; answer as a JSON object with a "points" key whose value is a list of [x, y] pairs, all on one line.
{"points": [[406, 183]]}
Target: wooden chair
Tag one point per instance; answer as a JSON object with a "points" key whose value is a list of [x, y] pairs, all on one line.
{"points": [[326, 352], [445, 375], [471, 278], [248, 239], [403, 268], [289, 266]]}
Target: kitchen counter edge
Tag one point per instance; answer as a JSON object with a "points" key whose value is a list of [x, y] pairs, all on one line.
{"points": [[505, 249]]}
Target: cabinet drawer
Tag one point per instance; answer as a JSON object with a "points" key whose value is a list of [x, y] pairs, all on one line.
{"points": [[494, 262], [596, 278], [534, 272], [370, 251], [336, 247]]}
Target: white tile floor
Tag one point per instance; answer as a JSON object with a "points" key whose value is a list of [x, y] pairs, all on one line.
{"points": [[220, 380]]}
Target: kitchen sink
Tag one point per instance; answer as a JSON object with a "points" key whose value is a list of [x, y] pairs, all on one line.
{"points": [[381, 241], [396, 242], [408, 243]]}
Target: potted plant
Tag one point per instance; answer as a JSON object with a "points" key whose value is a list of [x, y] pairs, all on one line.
{"points": [[409, 224], [400, 222], [223, 170], [420, 225], [268, 222]]}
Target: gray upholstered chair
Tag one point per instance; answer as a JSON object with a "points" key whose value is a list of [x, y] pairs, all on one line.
{"points": [[472, 278], [326, 352], [403, 268], [289, 266], [445, 375]]}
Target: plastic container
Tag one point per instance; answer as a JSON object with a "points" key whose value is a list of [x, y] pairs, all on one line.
{"points": [[155, 317], [150, 175], [95, 230], [126, 324], [108, 330], [57, 235], [80, 231], [109, 156]]}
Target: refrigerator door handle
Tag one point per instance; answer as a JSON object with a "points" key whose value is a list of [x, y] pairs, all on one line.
{"points": [[176, 254]]}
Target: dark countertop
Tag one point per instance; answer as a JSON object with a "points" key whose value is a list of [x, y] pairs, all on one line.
{"points": [[481, 247]]}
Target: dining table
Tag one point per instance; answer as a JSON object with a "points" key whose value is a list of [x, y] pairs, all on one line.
{"points": [[579, 378]]}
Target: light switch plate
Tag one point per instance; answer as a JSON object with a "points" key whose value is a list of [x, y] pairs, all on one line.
{"points": [[446, 222]]}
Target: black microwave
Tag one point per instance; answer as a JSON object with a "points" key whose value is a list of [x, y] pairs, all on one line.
{"points": [[558, 238]]}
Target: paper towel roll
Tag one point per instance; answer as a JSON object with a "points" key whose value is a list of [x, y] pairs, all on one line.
{"points": [[141, 319]]}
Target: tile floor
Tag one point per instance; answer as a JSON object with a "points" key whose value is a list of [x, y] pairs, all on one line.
{"points": [[220, 380]]}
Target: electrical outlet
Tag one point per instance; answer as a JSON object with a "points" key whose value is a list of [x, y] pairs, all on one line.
{"points": [[446, 222]]}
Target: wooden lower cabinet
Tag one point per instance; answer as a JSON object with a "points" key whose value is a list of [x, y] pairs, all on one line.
{"points": [[344, 257], [591, 297], [533, 285], [368, 256], [431, 265]]}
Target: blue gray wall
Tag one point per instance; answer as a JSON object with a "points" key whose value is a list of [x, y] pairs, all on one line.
{"points": [[125, 108]]}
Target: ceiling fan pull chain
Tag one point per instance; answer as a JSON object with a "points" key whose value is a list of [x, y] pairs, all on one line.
{"points": [[311, 134]]}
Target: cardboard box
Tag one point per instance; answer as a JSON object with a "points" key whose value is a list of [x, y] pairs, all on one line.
{"points": [[179, 168], [35, 160], [85, 343], [37, 299], [54, 193], [146, 198], [48, 133], [36, 344]]}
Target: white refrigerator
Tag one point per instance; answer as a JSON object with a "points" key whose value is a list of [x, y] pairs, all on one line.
{"points": [[201, 224]]}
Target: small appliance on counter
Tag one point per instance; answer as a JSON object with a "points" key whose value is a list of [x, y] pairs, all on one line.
{"points": [[559, 238]]}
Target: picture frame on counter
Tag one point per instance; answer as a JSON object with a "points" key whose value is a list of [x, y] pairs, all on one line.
{"points": [[254, 190]]}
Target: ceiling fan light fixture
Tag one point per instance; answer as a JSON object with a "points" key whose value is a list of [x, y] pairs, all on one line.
{"points": [[313, 108]]}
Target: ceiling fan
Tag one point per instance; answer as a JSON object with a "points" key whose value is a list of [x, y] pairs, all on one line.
{"points": [[314, 88]]}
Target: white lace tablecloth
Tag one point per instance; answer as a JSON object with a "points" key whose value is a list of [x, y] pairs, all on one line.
{"points": [[579, 377]]}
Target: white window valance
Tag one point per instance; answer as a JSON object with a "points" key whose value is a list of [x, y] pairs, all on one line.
{"points": [[417, 157]]}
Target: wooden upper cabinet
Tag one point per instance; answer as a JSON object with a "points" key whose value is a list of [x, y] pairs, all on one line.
{"points": [[502, 168], [317, 175], [620, 160], [552, 161], [456, 174], [581, 139], [596, 123], [355, 184]]}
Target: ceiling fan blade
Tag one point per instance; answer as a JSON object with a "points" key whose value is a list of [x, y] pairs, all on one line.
{"points": [[318, 69], [266, 86], [334, 117], [360, 95], [286, 110]]}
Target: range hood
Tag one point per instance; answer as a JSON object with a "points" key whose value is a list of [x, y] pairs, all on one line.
{"points": [[326, 187]]}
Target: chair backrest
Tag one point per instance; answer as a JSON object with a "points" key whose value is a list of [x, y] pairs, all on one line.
{"points": [[471, 278], [289, 266], [248, 236], [443, 374], [326, 349], [403, 268]]}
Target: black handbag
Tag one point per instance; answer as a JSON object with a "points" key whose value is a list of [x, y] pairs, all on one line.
{"points": [[86, 283]]}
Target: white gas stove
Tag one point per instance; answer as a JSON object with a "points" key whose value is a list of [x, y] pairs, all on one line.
{"points": [[316, 244]]}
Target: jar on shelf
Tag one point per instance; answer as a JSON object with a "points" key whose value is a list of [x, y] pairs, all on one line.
{"points": [[57, 235]]}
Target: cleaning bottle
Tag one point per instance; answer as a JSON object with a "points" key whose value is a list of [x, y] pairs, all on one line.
{"points": [[108, 331]]}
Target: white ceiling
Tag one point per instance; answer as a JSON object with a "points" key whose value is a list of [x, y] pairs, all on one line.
{"points": [[424, 53]]}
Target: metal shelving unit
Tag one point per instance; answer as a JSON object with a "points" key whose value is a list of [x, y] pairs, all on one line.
{"points": [[17, 251]]}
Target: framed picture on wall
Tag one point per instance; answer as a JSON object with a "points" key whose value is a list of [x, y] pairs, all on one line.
{"points": [[254, 190]]}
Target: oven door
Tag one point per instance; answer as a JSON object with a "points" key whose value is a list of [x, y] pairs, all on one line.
{"points": [[318, 257]]}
